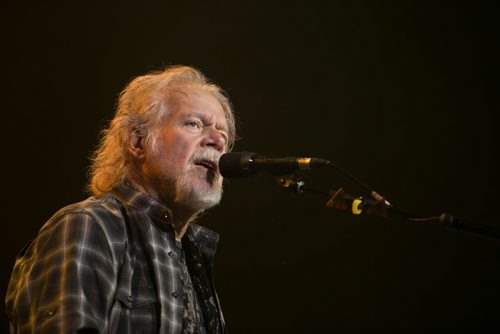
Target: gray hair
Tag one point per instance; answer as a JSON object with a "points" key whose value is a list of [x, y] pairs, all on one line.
{"points": [[142, 106]]}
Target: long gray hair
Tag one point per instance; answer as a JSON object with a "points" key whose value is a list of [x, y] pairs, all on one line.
{"points": [[142, 106]]}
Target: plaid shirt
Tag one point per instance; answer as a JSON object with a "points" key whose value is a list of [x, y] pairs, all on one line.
{"points": [[107, 265]]}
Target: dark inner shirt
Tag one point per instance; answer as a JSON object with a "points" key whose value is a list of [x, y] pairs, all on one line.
{"points": [[193, 317]]}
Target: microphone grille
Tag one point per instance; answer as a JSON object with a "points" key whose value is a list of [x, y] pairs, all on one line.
{"points": [[235, 164]]}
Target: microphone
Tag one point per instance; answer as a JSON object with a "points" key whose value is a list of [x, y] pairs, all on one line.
{"points": [[242, 164]]}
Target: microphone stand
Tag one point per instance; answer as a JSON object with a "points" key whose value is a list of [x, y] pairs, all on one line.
{"points": [[358, 205]]}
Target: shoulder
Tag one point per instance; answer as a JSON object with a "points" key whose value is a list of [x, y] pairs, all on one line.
{"points": [[85, 231], [79, 250], [96, 213], [93, 225]]}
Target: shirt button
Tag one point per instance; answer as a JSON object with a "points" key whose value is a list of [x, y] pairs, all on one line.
{"points": [[165, 216], [175, 294], [171, 254]]}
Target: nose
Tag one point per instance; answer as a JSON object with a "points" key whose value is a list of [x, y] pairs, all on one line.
{"points": [[214, 139]]}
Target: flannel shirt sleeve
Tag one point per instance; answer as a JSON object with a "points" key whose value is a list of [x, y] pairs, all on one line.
{"points": [[65, 281]]}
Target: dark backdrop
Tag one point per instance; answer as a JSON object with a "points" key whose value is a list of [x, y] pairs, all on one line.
{"points": [[403, 94]]}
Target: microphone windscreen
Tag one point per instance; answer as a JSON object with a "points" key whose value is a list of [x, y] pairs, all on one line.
{"points": [[235, 164]]}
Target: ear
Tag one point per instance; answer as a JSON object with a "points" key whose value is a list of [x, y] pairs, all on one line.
{"points": [[136, 144]]}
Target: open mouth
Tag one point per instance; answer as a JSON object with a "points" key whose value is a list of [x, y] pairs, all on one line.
{"points": [[209, 165]]}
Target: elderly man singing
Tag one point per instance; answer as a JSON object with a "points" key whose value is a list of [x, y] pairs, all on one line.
{"points": [[130, 259]]}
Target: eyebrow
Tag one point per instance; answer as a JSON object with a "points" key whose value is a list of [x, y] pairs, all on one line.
{"points": [[205, 119]]}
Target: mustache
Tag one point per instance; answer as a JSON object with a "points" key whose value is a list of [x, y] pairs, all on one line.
{"points": [[207, 154]]}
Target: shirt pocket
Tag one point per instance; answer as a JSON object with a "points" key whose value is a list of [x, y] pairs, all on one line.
{"points": [[137, 297], [135, 306]]}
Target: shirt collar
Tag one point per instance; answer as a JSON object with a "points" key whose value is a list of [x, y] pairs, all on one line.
{"points": [[130, 196], [162, 215]]}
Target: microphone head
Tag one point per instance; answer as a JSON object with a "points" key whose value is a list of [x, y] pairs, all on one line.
{"points": [[236, 164]]}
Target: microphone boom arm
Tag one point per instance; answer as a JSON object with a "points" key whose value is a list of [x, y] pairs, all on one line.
{"points": [[358, 205]]}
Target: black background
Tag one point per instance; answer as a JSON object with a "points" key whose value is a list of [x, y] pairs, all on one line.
{"points": [[403, 94]]}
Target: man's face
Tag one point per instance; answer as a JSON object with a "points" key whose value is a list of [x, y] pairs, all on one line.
{"points": [[183, 170]]}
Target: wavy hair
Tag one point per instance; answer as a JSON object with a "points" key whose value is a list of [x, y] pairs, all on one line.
{"points": [[142, 106]]}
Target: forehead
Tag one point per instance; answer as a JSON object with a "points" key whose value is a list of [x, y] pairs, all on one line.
{"points": [[195, 101]]}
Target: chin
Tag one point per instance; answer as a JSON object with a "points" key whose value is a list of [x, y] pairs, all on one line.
{"points": [[199, 197], [207, 202]]}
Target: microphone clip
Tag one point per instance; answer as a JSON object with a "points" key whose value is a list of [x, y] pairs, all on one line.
{"points": [[291, 183], [357, 205]]}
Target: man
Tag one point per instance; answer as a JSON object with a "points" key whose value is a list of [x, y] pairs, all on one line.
{"points": [[130, 259]]}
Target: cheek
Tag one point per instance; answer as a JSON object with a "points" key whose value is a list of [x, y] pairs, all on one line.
{"points": [[180, 150], [178, 145]]}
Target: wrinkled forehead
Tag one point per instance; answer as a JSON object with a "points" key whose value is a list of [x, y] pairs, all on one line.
{"points": [[184, 95], [174, 96]]}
